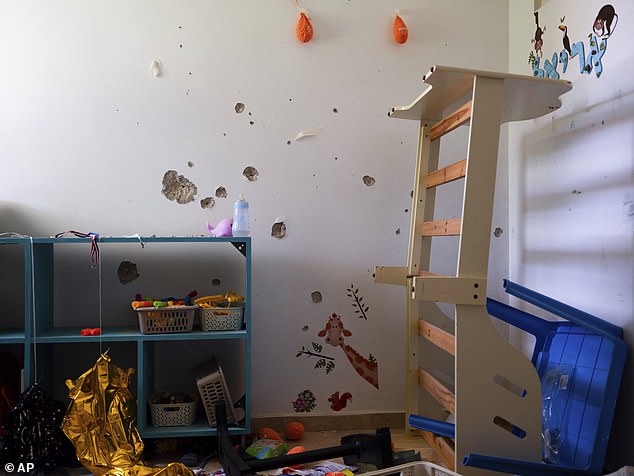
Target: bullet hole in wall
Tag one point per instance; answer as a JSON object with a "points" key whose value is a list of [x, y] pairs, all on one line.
{"points": [[215, 282], [316, 297], [406, 210], [207, 202], [177, 187], [306, 328], [278, 230], [369, 181], [221, 192], [251, 173], [398, 231], [335, 110], [498, 232], [288, 142], [239, 107], [251, 122], [576, 192], [127, 272], [190, 164]]}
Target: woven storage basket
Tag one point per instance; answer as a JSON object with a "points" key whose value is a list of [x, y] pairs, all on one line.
{"points": [[172, 414], [213, 389], [166, 320], [221, 318]]}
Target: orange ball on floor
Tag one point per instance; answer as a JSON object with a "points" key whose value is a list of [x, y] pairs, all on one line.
{"points": [[294, 431]]}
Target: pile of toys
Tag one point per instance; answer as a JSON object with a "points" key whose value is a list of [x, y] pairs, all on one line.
{"points": [[218, 312]]}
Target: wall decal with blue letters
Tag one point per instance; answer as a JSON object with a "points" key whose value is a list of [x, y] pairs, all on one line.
{"points": [[589, 60]]}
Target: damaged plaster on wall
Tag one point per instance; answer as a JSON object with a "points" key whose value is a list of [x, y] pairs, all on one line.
{"points": [[207, 202], [177, 187], [127, 272], [278, 230], [251, 173], [316, 297], [369, 181], [221, 192]]}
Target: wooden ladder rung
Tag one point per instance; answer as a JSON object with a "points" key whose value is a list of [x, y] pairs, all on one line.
{"points": [[441, 394], [443, 447], [449, 227], [449, 123], [447, 174], [440, 338]]}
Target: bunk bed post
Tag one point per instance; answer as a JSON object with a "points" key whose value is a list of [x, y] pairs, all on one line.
{"points": [[484, 419]]}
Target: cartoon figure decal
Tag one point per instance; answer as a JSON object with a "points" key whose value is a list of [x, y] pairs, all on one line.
{"points": [[538, 41], [603, 23], [566, 40], [338, 403], [334, 332], [602, 28]]}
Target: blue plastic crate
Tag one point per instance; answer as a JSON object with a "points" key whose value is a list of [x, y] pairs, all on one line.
{"points": [[580, 364]]}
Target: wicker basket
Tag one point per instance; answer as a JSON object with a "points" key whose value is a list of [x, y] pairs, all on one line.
{"points": [[172, 414], [166, 320], [221, 318], [213, 389]]}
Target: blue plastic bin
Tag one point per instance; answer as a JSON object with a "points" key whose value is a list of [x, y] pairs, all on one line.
{"points": [[580, 364]]}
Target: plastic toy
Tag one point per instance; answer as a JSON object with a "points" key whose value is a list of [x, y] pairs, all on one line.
{"points": [[139, 303], [94, 331], [223, 228]]}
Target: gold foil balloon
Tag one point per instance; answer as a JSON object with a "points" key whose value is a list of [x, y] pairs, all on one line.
{"points": [[100, 422]]}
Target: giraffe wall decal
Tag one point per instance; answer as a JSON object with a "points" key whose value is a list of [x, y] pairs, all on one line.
{"points": [[334, 333]]}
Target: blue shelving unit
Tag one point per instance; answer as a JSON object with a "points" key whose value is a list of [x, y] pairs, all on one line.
{"points": [[39, 334]]}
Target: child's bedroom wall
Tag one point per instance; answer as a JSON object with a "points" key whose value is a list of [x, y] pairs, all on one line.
{"points": [[572, 172], [126, 117]]}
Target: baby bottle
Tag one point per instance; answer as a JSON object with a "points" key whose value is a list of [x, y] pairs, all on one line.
{"points": [[240, 225]]}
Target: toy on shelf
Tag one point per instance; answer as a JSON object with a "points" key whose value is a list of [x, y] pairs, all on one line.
{"points": [[223, 228], [166, 315], [221, 312], [220, 299]]}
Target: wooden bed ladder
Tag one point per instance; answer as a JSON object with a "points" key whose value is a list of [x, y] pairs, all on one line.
{"points": [[496, 396]]}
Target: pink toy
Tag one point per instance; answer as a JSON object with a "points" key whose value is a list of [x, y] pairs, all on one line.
{"points": [[223, 228]]}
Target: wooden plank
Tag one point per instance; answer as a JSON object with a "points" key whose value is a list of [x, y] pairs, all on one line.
{"points": [[449, 227], [451, 289], [449, 123], [447, 174], [390, 275], [443, 447], [437, 336], [441, 394]]}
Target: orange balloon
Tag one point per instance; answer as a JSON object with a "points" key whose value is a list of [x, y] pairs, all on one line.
{"points": [[400, 30], [304, 30]]}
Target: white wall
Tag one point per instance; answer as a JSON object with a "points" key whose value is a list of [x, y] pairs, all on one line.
{"points": [[572, 183], [87, 134]]}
